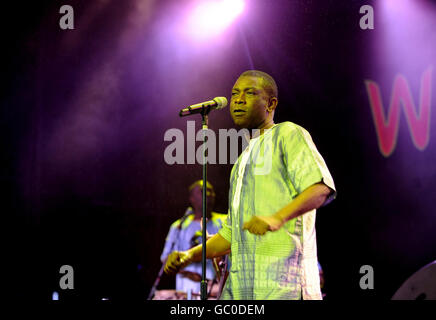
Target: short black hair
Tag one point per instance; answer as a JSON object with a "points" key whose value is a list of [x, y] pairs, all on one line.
{"points": [[270, 85]]}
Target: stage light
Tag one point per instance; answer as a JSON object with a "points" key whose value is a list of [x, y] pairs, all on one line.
{"points": [[212, 17], [55, 296]]}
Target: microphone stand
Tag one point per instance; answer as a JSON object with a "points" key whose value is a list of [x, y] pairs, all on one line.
{"points": [[203, 288], [156, 282], [205, 109]]}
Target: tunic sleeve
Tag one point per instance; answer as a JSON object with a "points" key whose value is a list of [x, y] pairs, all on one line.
{"points": [[226, 230], [170, 239], [304, 164]]}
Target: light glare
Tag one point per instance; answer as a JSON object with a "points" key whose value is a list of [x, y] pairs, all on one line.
{"points": [[210, 18]]}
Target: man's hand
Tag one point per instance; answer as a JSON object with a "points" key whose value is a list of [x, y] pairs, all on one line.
{"points": [[311, 198], [260, 224], [177, 260]]}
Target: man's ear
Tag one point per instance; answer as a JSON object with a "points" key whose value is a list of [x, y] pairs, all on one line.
{"points": [[272, 104]]}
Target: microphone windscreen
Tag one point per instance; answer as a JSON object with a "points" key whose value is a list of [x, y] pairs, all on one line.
{"points": [[221, 102]]}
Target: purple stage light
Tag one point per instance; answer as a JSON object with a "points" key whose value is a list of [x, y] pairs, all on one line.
{"points": [[210, 18], [406, 34]]}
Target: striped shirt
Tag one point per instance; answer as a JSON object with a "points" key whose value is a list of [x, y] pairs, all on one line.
{"points": [[272, 171]]}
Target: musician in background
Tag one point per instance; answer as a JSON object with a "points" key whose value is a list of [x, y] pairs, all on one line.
{"points": [[185, 233]]}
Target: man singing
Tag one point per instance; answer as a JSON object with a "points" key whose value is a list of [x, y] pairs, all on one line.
{"points": [[276, 185]]}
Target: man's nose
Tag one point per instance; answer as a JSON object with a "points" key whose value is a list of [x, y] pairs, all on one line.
{"points": [[239, 99]]}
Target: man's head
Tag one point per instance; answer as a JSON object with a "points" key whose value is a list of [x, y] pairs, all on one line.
{"points": [[196, 195], [254, 99]]}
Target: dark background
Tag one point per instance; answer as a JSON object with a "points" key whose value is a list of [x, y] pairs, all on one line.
{"points": [[84, 113]]}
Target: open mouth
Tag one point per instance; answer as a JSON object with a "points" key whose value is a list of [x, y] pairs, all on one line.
{"points": [[238, 111]]}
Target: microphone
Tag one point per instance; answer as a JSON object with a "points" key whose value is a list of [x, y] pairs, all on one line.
{"points": [[216, 103]]}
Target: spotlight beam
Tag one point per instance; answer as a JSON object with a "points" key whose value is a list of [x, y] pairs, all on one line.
{"points": [[210, 18]]}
